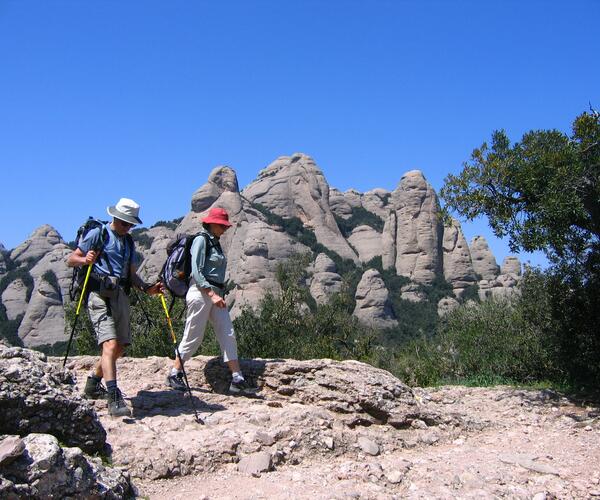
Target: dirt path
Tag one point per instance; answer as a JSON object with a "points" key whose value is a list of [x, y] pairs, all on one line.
{"points": [[534, 444]]}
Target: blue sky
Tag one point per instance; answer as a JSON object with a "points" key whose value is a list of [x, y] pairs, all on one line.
{"points": [[103, 99]]}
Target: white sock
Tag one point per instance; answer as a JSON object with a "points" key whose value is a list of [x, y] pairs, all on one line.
{"points": [[237, 376], [175, 371]]}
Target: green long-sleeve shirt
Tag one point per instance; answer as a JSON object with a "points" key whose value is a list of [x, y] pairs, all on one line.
{"points": [[210, 267]]}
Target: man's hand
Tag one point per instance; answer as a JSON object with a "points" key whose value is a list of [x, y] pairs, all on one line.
{"points": [[156, 289], [90, 257]]}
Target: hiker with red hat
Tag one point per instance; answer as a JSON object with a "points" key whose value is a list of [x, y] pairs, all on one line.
{"points": [[205, 302]]}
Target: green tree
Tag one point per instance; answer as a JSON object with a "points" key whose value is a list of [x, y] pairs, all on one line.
{"points": [[543, 192]]}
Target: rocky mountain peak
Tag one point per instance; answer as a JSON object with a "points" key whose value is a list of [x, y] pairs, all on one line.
{"points": [[40, 242], [294, 186], [220, 180]]}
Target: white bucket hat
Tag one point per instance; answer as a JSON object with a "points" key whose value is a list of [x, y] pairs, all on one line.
{"points": [[126, 210]]}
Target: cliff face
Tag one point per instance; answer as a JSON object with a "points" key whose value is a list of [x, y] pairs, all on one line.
{"points": [[402, 227]]}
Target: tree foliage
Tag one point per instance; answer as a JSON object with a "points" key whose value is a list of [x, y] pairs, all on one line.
{"points": [[543, 192]]}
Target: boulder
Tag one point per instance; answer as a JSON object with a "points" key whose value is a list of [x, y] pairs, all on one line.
{"points": [[37, 397], [39, 243], [44, 321], [44, 469], [419, 229], [14, 299], [253, 257], [458, 269], [338, 204], [325, 280], [366, 241], [511, 265], [221, 179], [377, 202], [484, 262], [446, 304], [373, 306], [155, 256], [293, 186]]}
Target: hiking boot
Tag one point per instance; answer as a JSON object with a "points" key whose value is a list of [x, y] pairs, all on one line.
{"points": [[243, 388], [94, 389], [176, 382], [117, 406]]}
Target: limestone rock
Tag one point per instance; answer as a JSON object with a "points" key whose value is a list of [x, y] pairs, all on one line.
{"points": [[388, 241], [41, 241], [458, 269], [11, 447], [511, 265], [484, 262], [338, 204], [418, 230], [372, 301], [293, 186], [368, 446], [446, 305], [255, 463], [253, 256], [46, 470], [37, 397], [377, 202], [325, 280], [412, 292], [54, 262], [221, 179], [155, 256], [14, 299], [366, 241], [360, 393], [44, 321]]}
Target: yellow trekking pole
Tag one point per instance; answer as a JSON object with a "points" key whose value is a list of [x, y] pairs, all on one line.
{"points": [[81, 295], [164, 304]]}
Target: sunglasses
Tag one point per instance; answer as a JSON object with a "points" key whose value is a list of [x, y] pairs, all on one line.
{"points": [[125, 224]]}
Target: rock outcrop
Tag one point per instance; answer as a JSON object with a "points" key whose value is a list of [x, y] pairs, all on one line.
{"points": [[418, 229], [458, 268], [14, 299], [484, 262], [413, 243], [41, 241], [366, 241], [36, 397], [41, 468], [373, 305], [511, 265], [325, 280], [293, 186], [220, 180]]}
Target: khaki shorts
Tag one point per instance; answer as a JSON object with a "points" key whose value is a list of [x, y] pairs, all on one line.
{"points": [[110, 322]]}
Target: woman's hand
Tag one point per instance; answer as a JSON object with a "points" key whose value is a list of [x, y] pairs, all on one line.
{"points": [[216, 299]]}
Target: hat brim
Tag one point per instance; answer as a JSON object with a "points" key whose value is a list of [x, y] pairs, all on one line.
{"points": [[120, 215], [211, 220]]}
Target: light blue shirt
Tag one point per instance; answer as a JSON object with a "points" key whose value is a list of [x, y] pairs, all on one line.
{"points": [[116, 251]]}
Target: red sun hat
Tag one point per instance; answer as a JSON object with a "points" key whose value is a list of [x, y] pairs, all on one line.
{"points": [[217, 216]]}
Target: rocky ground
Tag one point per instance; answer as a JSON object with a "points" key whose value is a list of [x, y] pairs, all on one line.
{"points": [[344, 430]]}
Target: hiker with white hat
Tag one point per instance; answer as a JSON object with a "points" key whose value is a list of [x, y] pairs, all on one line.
{"points": [[111, 252], [205, 302]]}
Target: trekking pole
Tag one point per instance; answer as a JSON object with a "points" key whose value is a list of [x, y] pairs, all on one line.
{"points": [[164, 304], [87, 277]]}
